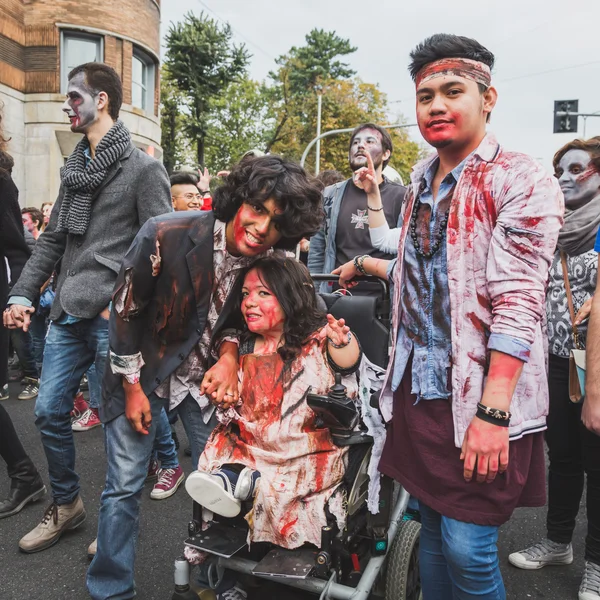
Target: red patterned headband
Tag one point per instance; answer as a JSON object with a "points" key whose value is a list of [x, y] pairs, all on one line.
{"points": [[460, 67]]}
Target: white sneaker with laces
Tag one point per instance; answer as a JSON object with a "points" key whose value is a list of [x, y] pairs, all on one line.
{"points": [[234, 593], [590, 584], [542, 554], [214, 491]]}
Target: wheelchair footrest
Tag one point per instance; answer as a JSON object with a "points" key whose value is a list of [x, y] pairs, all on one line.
{"points": [[220, 539], [292, 564]]}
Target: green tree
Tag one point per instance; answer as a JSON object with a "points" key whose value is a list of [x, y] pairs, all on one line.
{"points": [[238, 122], [202, 60], [317, 61]]}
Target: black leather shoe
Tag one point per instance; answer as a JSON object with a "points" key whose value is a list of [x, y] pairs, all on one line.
{"points": [[26, 486]]}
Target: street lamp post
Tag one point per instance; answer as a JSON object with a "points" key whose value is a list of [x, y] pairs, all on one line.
{"points": [[318, 138]]}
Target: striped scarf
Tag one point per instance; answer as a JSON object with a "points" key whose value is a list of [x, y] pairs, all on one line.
{"points": [[81, 181]]}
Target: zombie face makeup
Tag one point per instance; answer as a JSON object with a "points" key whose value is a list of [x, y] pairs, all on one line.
{"points": [[253, 230], [366, 140], [578, 178], [80, 105], [28, 222], [451, 110], [261, 309]]}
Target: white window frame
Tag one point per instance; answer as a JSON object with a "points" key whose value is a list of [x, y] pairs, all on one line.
{"points": [[150, 66], [70, 33]]}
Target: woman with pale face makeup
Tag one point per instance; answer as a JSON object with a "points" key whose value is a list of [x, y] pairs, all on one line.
{"points": [[574, 451]]}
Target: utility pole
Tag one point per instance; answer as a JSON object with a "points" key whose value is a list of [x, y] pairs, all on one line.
{"points": [[318, 150]]}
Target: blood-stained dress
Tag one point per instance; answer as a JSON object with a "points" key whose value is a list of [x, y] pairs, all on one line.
{"points": [[275, 433]]}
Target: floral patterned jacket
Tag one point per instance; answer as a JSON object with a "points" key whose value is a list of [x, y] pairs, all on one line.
{"points": [[502, 231]]}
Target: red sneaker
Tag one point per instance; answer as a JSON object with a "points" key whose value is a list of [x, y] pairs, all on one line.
{"points": [[80, 405], [88, 420], [168, 482]]}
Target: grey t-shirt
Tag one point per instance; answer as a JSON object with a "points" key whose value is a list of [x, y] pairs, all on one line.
{"points": [[352, 235]]}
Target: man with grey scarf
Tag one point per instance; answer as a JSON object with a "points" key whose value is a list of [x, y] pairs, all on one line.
{"points": [[573, 445], [109, 189]]}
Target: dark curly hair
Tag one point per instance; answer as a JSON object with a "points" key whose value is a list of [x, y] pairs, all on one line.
{"points": [[290, 282], [258, 179]]}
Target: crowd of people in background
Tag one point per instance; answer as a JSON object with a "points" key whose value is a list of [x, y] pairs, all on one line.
{"points": [[187, 297]]}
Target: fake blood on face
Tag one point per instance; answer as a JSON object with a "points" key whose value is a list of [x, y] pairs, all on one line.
{"points": [[252, 230], [260, 307]]}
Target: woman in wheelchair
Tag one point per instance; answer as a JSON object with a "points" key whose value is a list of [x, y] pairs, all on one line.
{"points": [[270, 449]]}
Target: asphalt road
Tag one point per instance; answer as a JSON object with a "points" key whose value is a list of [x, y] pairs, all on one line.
{"points": [[59, 572]]}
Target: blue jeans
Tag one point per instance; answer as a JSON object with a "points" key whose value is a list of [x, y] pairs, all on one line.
{"points": [[164, 446], [69, 352], [38, 329], [94, 386], [458, 561], [22, 342], [128, 454], [196, 429]]}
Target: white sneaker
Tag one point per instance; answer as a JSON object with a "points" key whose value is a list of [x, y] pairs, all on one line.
{"points": [[590, 584], [214, 491], [542, 554]]}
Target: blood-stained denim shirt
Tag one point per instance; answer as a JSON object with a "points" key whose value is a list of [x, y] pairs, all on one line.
{"points": [[425, 328], [504, 219]]}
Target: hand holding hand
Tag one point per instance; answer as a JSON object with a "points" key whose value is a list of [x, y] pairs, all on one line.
{"points": [[17, 316], [485, 446], [220, 383]]}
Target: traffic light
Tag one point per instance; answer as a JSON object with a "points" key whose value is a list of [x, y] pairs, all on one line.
{"points": [[565, 122]]}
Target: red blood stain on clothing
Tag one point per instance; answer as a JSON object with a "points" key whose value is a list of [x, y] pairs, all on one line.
{"points": [[531, 221], [286, 528], [483, 301], [477, 322]]}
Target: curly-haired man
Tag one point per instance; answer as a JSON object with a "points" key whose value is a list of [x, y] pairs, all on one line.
{"points": [[172, 295]]}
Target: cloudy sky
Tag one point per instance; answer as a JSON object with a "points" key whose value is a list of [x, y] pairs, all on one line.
{"points": [[545, 50]]}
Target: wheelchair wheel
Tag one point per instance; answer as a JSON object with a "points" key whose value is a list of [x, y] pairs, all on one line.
{"points": [[402, 580]]}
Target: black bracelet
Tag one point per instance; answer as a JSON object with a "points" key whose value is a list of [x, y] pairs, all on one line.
{"points": [[204, 192], [339, 346], [494, 413], [374, 209], [358, 263], [485, 417]]}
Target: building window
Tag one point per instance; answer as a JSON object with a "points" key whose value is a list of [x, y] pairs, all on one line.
{"points": [[76, 49], [142, 81]]}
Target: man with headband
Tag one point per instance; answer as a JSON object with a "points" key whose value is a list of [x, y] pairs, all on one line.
{"points": [[466, 392]]}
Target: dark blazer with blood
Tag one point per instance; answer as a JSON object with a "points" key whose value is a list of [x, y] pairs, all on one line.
{"points": [[163, 314]]}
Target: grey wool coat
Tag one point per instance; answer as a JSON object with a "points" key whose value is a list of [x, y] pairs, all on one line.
{"points": [[135, 189]]}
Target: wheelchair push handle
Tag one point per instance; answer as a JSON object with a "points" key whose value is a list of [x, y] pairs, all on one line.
{"points": [[370, 278]]}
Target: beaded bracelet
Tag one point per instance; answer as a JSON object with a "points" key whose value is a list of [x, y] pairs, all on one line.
{"points": [[374, 209], [338, 346], [358, 263]]}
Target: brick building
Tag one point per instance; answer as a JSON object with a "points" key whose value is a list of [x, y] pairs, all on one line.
{"points": [[40, 42]]}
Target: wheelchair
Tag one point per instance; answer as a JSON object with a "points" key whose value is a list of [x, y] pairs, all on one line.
{"points": [[376, 555]]}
